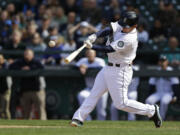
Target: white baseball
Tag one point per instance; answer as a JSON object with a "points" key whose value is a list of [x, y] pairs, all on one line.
{"points": [[52, 43]]}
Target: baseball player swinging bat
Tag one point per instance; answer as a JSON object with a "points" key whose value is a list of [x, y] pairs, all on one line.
{"points": [[116, 76], [73, 55]]}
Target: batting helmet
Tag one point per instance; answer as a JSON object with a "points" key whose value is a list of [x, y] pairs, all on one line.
{"points": [[128, 19]]}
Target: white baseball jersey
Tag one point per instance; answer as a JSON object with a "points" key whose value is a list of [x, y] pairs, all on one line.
{"points": [[98, 62], [164, 84], [124, 44]]}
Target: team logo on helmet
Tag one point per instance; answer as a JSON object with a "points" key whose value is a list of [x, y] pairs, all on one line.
{"points": [[120, 44]]}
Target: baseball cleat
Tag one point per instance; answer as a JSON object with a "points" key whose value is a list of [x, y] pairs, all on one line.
{"points": [[76, 123], [157, 117]]}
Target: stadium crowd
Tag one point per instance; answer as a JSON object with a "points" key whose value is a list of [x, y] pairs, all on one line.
{"points": [[30, 25]]}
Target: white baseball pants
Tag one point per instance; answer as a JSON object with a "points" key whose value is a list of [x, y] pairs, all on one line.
{"points": [[116, 81], [101, 105], [164, 98], [115, 113]]}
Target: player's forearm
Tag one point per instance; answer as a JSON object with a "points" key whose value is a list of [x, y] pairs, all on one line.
{"points": [[106, 49], [105, 32]]}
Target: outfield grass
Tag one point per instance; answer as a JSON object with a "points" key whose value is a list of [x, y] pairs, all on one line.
{"points": [[61, 127]]}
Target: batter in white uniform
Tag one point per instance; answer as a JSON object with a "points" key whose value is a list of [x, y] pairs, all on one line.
{"points": [[164, 87], [116, 77], [91, 61], [132, 94]]}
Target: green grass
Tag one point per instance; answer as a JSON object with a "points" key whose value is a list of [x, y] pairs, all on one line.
{"points": [[61, 127]]}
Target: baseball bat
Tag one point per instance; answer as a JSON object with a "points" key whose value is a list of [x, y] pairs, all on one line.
{"points": [[73, 55]]}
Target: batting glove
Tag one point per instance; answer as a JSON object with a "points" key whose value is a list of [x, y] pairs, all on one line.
{"points": [[92, 38], [88, 44]]}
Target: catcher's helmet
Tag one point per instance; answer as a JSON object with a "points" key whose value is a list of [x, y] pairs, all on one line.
{"points": [[128, 19]]}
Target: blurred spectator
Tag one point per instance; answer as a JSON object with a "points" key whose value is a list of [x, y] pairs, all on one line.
{"points": [[157, 33], [31, 5], [70, 6], [5, 28], [70, 45], [32, 88], [167, 15], [41, 11], [11, 9], [29, 15], [64, 28], [129, 6], [176, 28], [114, 5], [90, 12], [162, 88], [53, 58], [132, 94], [143, 36], [31, 30], [81, 31], [16, 23], [5, 91], [44, 26], [112, 10], [52, 3], [173, 58], [104, 23], [91, 61], [21, 19], [53, 32], [59, 17], [50, 12], [36, 43], [142, 19], [15, 42]]}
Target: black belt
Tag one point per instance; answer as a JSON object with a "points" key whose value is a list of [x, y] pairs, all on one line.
{"points": [[117, 65]]}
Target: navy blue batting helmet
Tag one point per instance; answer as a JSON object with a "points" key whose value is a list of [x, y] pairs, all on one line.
{"points": [[128, 19]]}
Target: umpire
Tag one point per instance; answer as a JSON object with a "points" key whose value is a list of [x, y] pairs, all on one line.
{"points": [[32, 88]]}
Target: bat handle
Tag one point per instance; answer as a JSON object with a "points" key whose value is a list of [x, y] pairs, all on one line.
{"points": [[82, 47], [74, 54]]}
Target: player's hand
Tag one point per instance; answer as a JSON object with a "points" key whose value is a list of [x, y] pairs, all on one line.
{"points": [[92, 38], [88, 44]]}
